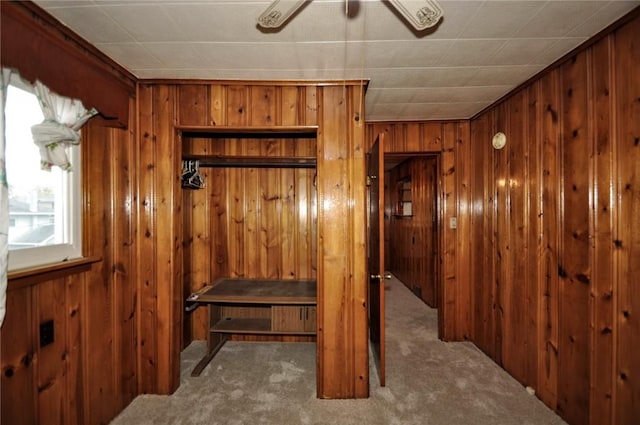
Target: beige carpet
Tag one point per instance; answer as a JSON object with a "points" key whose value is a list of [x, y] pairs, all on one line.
{"points": [[428, 382]]}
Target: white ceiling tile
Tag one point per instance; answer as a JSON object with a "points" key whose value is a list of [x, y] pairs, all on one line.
{"points": [[156, 24], [500, 19], [610, 12], [557, 18], [522, 51], [438, 95], [92, 24], [504, 75], [477, 53], [421, 77], [558, 49], [130, 55], [389, 54], [472, 52]]}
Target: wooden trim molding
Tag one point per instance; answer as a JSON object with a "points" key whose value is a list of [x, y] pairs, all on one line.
{"points": [[39, 47], [33, 275]]}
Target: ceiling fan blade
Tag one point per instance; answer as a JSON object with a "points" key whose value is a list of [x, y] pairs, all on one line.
{"points": [[421, 14], [277, 14]]}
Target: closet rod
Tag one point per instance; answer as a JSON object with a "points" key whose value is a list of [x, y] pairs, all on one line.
{"points": [[253, 162]]}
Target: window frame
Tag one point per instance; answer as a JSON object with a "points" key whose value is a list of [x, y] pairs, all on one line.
{"points": [[40, 256]]}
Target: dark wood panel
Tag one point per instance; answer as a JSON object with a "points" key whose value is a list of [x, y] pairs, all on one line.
{"points": [[413, 240], [49, 299], [515, 336], [564, 226], [19, 339], [39, 48], [550, 250], [602, 267], [626, 242], [573, 269], [146, 157]]}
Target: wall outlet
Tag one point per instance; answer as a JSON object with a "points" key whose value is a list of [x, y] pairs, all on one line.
{"points": [[453, 222], [46, 333]]}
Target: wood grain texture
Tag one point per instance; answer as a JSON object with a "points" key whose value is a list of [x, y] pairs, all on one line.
{"points": [[626, 242], [35, 43], [413, 241], [88, 374], [342, 311], [250, 222], [449, 141], [564, 222]]}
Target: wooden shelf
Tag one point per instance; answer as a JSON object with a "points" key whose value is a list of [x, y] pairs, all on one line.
{"points": [[242, 325], [256, 307], [253, 291], [230, 325]]}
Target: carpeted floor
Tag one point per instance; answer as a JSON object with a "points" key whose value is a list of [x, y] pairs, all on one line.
{"points": [[428, 382]]}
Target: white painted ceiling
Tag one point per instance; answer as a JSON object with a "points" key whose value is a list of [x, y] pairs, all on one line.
{"points": [[479, 51]]}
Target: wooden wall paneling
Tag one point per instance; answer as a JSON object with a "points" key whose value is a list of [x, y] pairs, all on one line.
{"points": [[219, 210], [123, 172], [76, 410], [236, 105], [501, 233], [264, 112], [448, 293], [532, 186], [342, 311], [483, 325], [193, 105], [168, 239], [146, 255], [427, 198], [99, 315], [288, 221], [188, 257], [413, 137], [35, 43], [412, 240], [431, 138], [515, 336], [548, 329], [574, 268], [49, 298], [19, 360], [197, 255], [627, 227], [602, 263], [463, 312]]}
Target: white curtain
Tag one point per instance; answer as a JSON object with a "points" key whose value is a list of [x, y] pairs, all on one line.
{"points": [[63, 118], [4, 200]]}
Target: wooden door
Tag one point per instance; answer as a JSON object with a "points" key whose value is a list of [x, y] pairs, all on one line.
{"points": [[376, 255]]}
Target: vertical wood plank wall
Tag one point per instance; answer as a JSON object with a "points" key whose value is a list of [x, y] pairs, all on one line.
{"points": [[449, 140], [556, 233], [541, 272], [88, 374], [239, 230], [414, 240]]}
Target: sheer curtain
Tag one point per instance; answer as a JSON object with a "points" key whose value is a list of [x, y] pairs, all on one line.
{"points": [[4, 199], [63, 118]]}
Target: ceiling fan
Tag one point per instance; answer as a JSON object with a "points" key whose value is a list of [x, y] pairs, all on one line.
{"points": [[421, 14]]}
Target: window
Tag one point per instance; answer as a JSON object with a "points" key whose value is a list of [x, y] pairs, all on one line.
{"points": [[44, 206]]}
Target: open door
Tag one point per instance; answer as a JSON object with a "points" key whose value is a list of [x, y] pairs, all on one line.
{"points": [[376, 255]]}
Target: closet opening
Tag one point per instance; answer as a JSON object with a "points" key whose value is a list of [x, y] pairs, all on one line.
{"points": [[249, 212]]}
